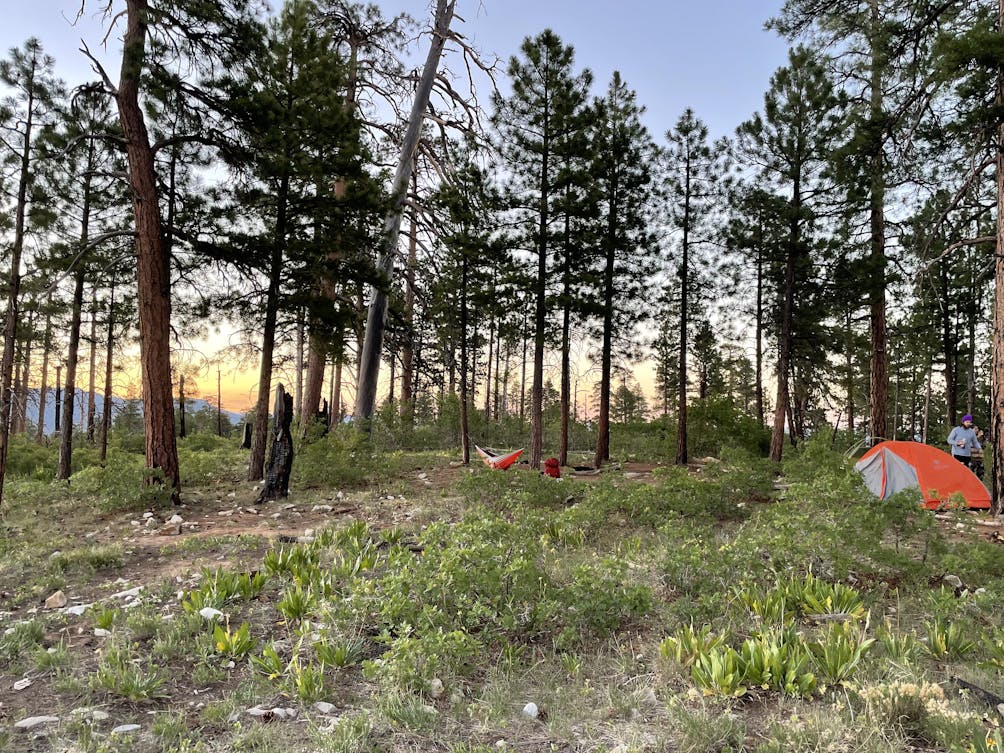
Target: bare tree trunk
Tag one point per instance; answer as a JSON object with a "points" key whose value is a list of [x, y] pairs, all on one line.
{"points": [[681, 426], [72, 356], [408, 351], [182, 430], [997, 388], [369, 356], [106, 409], [465, 446], [784, 338], [301, 327], [152, 260], [280, 456], [44, 388], [91, 407], [316, 358], [606, 361], [14, 285]]}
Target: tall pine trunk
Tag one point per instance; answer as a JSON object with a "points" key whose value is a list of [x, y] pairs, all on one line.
{"points": [[997, 388], [72, 357], [14, 283], [107, 406], [153, 279], [44, 387], [681, 430], [91, 406]]}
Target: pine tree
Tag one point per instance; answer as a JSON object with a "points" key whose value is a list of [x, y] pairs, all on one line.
{"points": [[788, 145], [623, 173], [696, 171], [541, 113], [29, 73]]}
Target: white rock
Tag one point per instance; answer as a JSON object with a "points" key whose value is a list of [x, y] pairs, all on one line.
{"points": [[55, 554], [288, 506], [531, 711], [148, 514], [209, 613], [225, 513], [22, 684], [231, 495], [56, 600], [953, 580], [176, 519], [135, 523], [423, 476], [102, 633], [78, 609], [340, 495], [279, 713], [124, 729], [25, 725], [436, 687], [275, 515], [308, 531], [321, 508], [325, 708], [131, 593]]}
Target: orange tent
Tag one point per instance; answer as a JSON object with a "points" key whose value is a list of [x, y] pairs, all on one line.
{"points": [[889, 467]]}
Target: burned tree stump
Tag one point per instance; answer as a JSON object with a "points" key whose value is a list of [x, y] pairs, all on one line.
{"points": [[280, 453], [246, 439]]}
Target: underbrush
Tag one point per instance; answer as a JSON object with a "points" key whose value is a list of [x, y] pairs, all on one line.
{"points": [[703, 611]]}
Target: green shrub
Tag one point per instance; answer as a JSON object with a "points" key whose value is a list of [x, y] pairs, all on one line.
{"points": [[342, 457]]}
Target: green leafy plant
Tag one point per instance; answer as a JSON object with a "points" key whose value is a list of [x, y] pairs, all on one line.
{"points": [[234, 644], [297, 603], [777, 660], [307, 680], [345, 653], [720, 672], [687, 644], [899, 647], [839, 651], [120, 675], [269, 663], [947, 640]]}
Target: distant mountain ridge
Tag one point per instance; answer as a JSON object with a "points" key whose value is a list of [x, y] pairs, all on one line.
{"points": [[192, 405]]}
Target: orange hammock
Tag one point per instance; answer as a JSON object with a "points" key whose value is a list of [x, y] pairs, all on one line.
{"points": [[498, 461]]}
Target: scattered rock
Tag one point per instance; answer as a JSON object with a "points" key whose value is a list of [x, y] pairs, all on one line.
{"points": [[22, 684], [148, 515], [135, 523], [275, 515], [130, 593], [57, 600], [102, 633], [171, 529], [531, 711], [436, 687], [289, 506], [152, 523], [224, 513], [953, 580], [209, 613], [423, 476], [176, 519], [32, 722], [308, 532], [257, 712], [124, 729], [326, 708], [321, 508]]}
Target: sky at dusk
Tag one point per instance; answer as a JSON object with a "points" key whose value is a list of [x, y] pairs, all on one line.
{"points": [[713, 56]]}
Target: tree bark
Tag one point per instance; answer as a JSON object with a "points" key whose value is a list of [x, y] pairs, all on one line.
{"points": [[106, 408], [14, 283], [182, 429], [91, 407], [72, 356], [879, 372], [152, 260], [681, 430], [44, 387], [280, 456], [369, 356], [997, 388]]}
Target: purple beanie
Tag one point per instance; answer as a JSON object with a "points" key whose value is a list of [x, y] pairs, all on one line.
{"points": [[968, 418]]}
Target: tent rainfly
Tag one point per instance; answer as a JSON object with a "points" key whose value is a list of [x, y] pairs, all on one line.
{"points": [[890, 467]]}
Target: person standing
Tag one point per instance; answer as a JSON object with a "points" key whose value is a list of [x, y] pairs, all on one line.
{"points": [[963, 441]]}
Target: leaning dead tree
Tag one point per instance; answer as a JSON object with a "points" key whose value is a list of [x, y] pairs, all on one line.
{"points": [[463, 116]]}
